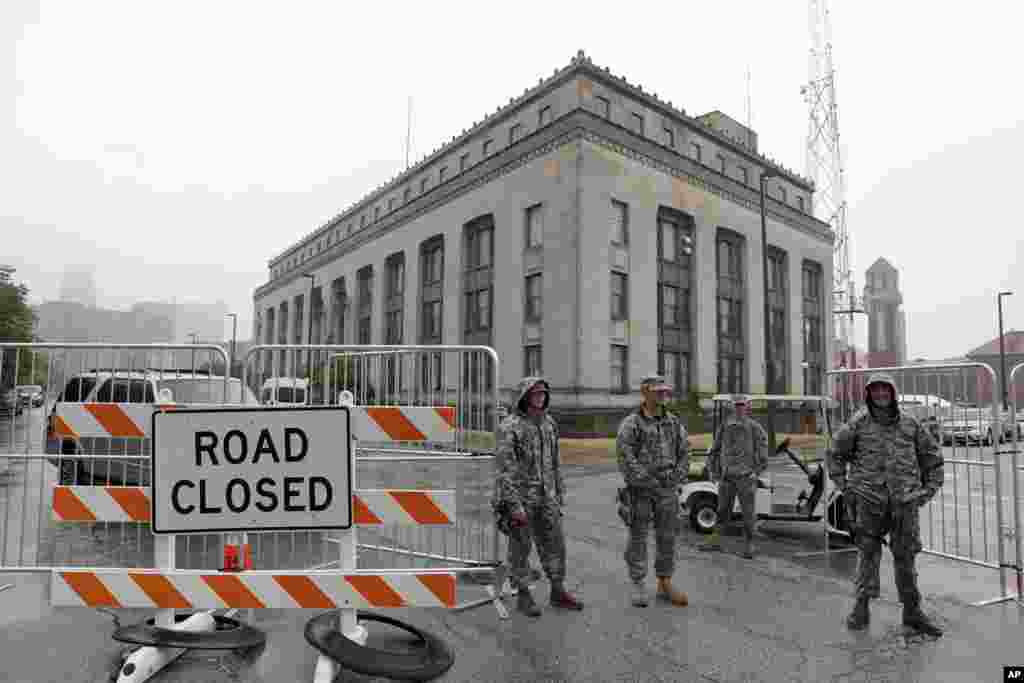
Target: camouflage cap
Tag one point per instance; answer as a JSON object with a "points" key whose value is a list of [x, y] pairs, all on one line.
{"points": [[655, 383]]}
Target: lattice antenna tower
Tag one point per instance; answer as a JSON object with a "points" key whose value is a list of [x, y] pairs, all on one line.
{"points": [[824, 163]]}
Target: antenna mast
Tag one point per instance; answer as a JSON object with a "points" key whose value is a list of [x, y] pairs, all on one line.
{"points": [[825, 167], [408, 133]]}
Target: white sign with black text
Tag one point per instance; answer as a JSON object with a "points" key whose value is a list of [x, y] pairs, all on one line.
{"points": [[242, 469]]}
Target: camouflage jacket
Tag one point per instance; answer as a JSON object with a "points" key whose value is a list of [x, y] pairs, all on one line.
{"points": [[528, 466], [653, 452], [740, 449], [886, 457]]}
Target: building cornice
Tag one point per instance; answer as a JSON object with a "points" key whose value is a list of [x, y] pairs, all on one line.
{"points": [[579, 65], [579, 124]]}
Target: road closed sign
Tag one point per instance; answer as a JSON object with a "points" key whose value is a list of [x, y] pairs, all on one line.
{"points": [[238, 469]]}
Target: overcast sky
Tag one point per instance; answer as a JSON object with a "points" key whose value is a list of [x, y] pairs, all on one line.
{"points": [[179, 148]]}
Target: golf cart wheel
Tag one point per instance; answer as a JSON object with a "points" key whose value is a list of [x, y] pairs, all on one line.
{"points": [[67, 472], [704, 514]]}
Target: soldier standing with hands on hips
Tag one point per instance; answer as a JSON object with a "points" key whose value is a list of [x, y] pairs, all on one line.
{"points": [[737, 458], [887, 465], [530, 493], [654, 457]]}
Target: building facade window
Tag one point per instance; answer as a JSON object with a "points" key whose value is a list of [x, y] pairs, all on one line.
{"points": [[731, 337], [618, 380], [391, 204], [545, 116], [424, 185], [339, 303], [534, 227], [441, 174], [513, 133], [676, 322], [695, 152], [407, 195], [778, 297], [670, 138], [394, 298], [532, 361], [394, 308], [782, 195], [671, 366], [477, 295], [813, 332], [636, 123], [800, 204], [431, 311], [534, 304], [744, 175], [620, 223], [376, 213], [487, 148], [364, 278], [463, 162], [619, 296], [721, 164], [604, 107]]}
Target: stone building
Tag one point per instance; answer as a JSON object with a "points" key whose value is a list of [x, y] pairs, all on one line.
{"points": [[887, 322], [589, 231]]}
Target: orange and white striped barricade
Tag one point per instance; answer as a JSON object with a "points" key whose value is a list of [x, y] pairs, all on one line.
{"points": [[167, 588]]}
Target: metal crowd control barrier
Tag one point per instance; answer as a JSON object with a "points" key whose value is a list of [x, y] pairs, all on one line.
{"points": [[965, 521], [463, 378], [95, 503], [1017, 426]]}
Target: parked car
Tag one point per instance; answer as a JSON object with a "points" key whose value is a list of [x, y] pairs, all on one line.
{"points": [[132, 387], [285, 391], [10, 402], [31, 395]]}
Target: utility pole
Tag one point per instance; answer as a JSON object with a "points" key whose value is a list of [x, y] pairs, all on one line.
{"points": [[1002, 349]]}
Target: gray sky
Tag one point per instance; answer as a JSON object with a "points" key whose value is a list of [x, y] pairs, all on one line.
{"points": [[180, 147]]}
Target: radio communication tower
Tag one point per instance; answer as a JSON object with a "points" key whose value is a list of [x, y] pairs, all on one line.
{"points": [[825, 168]]}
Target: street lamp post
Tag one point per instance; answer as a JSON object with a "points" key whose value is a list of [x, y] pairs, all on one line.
{"points": [[1002, 347], [309, 335], [194, 338], [768, 368], [234, 334]]}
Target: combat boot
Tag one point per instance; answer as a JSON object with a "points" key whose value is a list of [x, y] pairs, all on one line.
{"points": [[749, 549], [525, 603], [563, 598], [668, 593], [859, 616], [914, 618], [714, 542], [638, 596]]}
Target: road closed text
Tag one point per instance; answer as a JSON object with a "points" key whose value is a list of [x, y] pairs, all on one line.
{"points": [[245, 493]]}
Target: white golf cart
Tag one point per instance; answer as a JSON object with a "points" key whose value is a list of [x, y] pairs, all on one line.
{"points": [[698, 500]]}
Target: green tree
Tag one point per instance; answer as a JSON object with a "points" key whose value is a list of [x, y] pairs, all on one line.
{"points": [[17, 321]]}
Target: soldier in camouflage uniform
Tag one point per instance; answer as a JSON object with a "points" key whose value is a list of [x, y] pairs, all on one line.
{"points": [[887, 465], [654, 457], [737, 458], [530, 494]]}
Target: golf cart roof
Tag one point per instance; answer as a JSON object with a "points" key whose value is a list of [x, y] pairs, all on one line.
{"points": [[774, 398]]}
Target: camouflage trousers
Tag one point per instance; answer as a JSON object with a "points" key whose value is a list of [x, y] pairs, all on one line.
{"points": [[872, 522], [544, 530], [744, 488], [660, 506]]}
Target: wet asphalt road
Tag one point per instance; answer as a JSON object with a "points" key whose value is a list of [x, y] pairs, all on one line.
{"points": [[768, 619]]}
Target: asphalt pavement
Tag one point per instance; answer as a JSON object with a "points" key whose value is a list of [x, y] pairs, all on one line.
{"points": [[776, 618]]}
